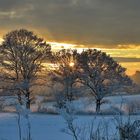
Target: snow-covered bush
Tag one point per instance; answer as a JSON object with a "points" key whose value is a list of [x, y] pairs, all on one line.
{"points": [[130, 131], [68, 113]]}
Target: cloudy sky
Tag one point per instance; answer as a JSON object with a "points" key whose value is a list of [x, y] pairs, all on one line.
{"points": [[112, 25]]}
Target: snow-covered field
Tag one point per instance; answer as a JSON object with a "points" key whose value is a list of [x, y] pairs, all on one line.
{"points": [[50, 127], [43, 127]]}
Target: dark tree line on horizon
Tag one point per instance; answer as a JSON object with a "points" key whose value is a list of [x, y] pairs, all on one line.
{"points": [[22, 54]]}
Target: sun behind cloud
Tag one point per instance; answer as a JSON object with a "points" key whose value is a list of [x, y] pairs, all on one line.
{"points": [[1, 40], [128, 57]]}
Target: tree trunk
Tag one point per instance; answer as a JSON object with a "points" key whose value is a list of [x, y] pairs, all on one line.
{"points": [[19, 97], [28, 99], [98, 105], [70, 97]]}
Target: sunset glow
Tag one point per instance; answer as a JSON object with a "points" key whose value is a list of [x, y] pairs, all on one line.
{"points": [[71, 64], [80, 25], [70, 69], [1, 40], [57, 45], [130, 54]]}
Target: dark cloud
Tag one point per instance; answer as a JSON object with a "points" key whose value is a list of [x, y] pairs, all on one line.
{"points": [[104, 22], [125, 59]]}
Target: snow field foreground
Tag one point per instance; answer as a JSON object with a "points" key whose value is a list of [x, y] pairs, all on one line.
{"points": [[53, 127]]}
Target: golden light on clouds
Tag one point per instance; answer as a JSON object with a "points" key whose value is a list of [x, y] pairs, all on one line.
{"points": [[132, 67], [129, 52], [57, 45]]}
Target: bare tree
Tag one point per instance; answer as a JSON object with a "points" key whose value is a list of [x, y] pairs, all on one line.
{"points": [[22, 55], [65, 74], [101, 74]]}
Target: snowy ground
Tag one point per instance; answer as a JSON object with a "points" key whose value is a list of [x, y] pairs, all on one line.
{"points": [[42, 127], [122, 103], [50, 127]]}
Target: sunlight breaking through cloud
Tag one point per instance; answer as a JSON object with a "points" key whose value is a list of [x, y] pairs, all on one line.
{"points": [[128, 57]]}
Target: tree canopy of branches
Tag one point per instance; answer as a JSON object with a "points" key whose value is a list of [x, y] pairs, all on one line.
{"points": [[101, 74], [22, 54], [65, 74]]}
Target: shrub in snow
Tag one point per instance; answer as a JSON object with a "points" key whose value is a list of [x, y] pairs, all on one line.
{"points": [[68, 113], [130, 131]]}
